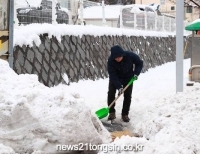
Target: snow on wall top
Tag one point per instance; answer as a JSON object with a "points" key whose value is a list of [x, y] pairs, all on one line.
{"points": [[25, 35]]}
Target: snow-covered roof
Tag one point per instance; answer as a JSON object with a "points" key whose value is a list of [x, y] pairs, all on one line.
{"points": [[111, 11]]}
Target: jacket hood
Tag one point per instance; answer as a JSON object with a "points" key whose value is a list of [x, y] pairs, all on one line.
{"points": [[117, 51]]}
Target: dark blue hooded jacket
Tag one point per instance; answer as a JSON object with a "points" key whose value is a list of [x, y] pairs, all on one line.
{"points": [[121, 72]]}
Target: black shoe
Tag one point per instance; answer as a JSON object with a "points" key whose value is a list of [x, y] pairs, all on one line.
{"points": [[125, 118], [111, 116]]}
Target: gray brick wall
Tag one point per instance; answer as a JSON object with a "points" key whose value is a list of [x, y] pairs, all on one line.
{"points": [[86, 57]]}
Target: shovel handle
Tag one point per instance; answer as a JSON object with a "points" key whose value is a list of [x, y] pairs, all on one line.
{"points": [[130, 82]]}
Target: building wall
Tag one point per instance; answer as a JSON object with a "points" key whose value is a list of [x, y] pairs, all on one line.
{"points": [[170, 8], [165, 8], [147, 2]]}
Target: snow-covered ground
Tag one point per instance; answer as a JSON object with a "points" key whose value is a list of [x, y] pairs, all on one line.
{"points": [[39, 118]]}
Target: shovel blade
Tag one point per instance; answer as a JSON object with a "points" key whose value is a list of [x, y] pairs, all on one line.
{"points": [[102, 113]]}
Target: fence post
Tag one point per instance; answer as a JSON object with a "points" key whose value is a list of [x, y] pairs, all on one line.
{"points": [[11, 31], [53, 12], [121, 23], [145, 20], [103, 14], [135, 21], [16, 22], [179, 45], [163, 22], [156, 21], [81, 12]]}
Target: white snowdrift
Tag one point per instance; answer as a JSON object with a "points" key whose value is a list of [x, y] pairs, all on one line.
{"points": [[35, 117], [169, 125], [5, 149]]}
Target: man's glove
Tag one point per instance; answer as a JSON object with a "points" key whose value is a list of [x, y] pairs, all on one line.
{"points": [[136, 77], [120, 91]]}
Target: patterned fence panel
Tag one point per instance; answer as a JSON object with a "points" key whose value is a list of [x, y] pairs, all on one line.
{"points": [[86, 57]]}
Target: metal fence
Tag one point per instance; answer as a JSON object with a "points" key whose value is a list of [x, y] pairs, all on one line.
{"points": [[69, 3], [65, 12], [87, 3], [41, 14], [146, 19]]}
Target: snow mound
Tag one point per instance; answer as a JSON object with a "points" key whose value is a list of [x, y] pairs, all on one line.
{"points": [[5, 149], [34, 117]]}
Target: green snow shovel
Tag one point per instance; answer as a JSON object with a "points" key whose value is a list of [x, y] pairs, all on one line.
{"points": [[102, 113]]}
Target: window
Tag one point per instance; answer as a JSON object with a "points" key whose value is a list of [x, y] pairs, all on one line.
{"points": [[172, 7], [189, 9]]}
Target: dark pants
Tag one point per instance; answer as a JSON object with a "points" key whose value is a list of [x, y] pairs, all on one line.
{"points": [[127, 98]]}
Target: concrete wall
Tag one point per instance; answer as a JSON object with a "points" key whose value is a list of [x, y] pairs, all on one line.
{"points": [[86, 57]]}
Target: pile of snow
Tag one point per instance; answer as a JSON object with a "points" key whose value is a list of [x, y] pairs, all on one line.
{"points": [[35, 117], [5, 149], [169, 124]]}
